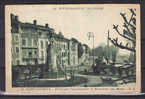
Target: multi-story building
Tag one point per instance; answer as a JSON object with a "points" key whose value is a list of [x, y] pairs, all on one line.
{"points": [[28, 44], [43, 42], [15, 41], [36, 44]]}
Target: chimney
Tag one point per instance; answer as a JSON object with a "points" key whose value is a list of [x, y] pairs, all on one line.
{"points": [[46, 25], [12, 16], [35, 22]]}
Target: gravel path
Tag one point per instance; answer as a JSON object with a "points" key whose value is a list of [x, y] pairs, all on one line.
{"points": [[92, 80]]}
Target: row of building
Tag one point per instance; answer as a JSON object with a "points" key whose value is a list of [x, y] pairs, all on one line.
{"points": [[36, 44]]}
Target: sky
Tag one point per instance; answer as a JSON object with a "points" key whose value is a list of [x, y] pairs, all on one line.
{"points": [[74, 21]]}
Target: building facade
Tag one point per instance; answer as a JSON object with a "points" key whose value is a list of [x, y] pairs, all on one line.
{"points": [[73, 53], [36, 44]]}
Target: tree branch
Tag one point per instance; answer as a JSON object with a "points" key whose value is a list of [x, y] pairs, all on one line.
{"points": [[132, 11], [125, 20], [125, 32], [129, 32], [133, 14], [115, 42], [116, 28]]}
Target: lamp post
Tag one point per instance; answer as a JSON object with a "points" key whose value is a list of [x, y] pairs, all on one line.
{"points": [[91, 35], [108, 47]]}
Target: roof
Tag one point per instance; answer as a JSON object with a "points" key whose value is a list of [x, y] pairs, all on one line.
{"points": [[30, 25], [15, 21]]}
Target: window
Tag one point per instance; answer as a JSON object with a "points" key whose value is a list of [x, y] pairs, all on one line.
{"points": [[42, 54], [30, 42], [74, 60], [65, 53], [23, 42], [62, 54], [41, 44], [35, 52], [18, 62], [34, 42], [16, 38], [24, 53], [30, 54], [17, 50], [36, 61], [64, 46]]}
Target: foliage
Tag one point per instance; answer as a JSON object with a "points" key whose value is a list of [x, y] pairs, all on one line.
{"points": [[114, 52], [122, 58], [99, 52], [109, 53]]}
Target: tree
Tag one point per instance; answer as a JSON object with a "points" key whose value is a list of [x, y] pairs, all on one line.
{"points": [[114, 52], [129, 32], [110, 53], [98, 51], [107, 53]]}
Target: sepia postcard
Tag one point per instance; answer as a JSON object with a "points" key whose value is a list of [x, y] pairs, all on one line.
{"points": [[79, 49]]}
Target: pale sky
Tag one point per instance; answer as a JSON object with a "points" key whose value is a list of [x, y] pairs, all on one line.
{"points": [[74, 21]]}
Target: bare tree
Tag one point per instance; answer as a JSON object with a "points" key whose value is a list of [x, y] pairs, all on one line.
{"points": [[128, 33]]}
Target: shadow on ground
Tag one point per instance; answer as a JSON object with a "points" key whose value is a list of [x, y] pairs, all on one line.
{"points": [[50, 83]]}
